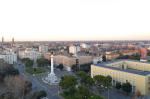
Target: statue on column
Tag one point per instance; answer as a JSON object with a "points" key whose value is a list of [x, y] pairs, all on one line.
{"points": [[51, 78]]}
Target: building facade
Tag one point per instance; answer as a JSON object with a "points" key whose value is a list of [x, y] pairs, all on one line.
{"points": [[74, 49], [43, 48], [30, 53], [9, 57], [135, 72], [69, 61], [143, 53], [111, 55]]}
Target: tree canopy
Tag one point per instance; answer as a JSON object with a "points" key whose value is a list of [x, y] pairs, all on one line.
{"points": [[118, 85], [127, 87], [102, 81], [85, 79], [42, 62], [28, 62], [39, 94], [78, 87], [68, 82], [7, 70]]}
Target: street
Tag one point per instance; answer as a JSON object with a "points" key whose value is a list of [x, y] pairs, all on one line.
{"points": [[38, 84]]}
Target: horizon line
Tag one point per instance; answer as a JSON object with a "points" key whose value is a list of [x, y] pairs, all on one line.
{"points": [[70, 40]]}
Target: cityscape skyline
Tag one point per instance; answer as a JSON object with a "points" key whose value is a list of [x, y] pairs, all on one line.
{"points": [[74, 49]]}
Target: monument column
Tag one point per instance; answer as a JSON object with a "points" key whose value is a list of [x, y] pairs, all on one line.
{"points": [[51, 78], [52, 65]]}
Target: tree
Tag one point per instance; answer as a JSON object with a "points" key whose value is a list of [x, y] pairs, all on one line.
{"points": [[133, 57], [15, 85], [28, 62], [94, 96], [27, 87], [104, 58], [85, 79], [77, 88], [89, 81], [107, 82], [7, 95], [102, 82], [60, 66], [127, 87], [69, 94], [74, 68], [85, 67], [39, 94], [99, 80], [68, 82], [83, 92], [2, 76], [118, 85], [7, 70], [42, 62], [80, 92], [11, 71], [25, 59], [81, 75]]}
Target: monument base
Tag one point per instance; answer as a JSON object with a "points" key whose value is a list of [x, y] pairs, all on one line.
{"points": [[51, 79]]}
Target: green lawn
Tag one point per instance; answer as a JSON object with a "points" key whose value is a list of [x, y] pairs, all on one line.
{"points": [[37, 70]]}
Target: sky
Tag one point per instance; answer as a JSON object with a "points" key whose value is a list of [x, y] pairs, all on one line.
{"points": [[50, 20]]}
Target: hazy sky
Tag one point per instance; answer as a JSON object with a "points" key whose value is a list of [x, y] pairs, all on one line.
{"points": [[75, 19]]}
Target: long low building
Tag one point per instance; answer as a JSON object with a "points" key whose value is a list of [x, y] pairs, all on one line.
{"points": [[69, 61], [135, 72]]}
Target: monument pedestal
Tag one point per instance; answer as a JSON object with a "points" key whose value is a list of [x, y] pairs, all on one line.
{"points": [[51, 79]]}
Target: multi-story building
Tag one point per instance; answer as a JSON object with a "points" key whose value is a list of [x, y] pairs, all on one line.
{"points": [[30, 53], [97, 60], [74, 49], [143, 53], [69, 61], [84, 45], [47, 56], [9, 57], [43, 48], [148, 48], [135, 72], [111, 55], [129, 52]]}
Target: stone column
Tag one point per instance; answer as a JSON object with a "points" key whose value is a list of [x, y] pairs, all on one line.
{"points": [[52, 65]]}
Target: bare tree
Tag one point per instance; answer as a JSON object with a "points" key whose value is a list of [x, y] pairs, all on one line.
{"points": [[15, 84]]}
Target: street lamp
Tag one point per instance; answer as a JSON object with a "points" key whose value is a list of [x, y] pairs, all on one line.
{"points": [[108, 92]]}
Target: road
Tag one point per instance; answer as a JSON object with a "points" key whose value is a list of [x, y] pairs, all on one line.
{"points": [[37, 83]]}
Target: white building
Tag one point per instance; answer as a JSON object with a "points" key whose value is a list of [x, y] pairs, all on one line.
{"points": [[148, 48], [43, 48], [84, 45], [74, 49], [30, 53], [96, 60], [9, 57]]}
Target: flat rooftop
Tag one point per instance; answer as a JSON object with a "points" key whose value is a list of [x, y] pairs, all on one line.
{"points": [[123, 60], [129, 70]]}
